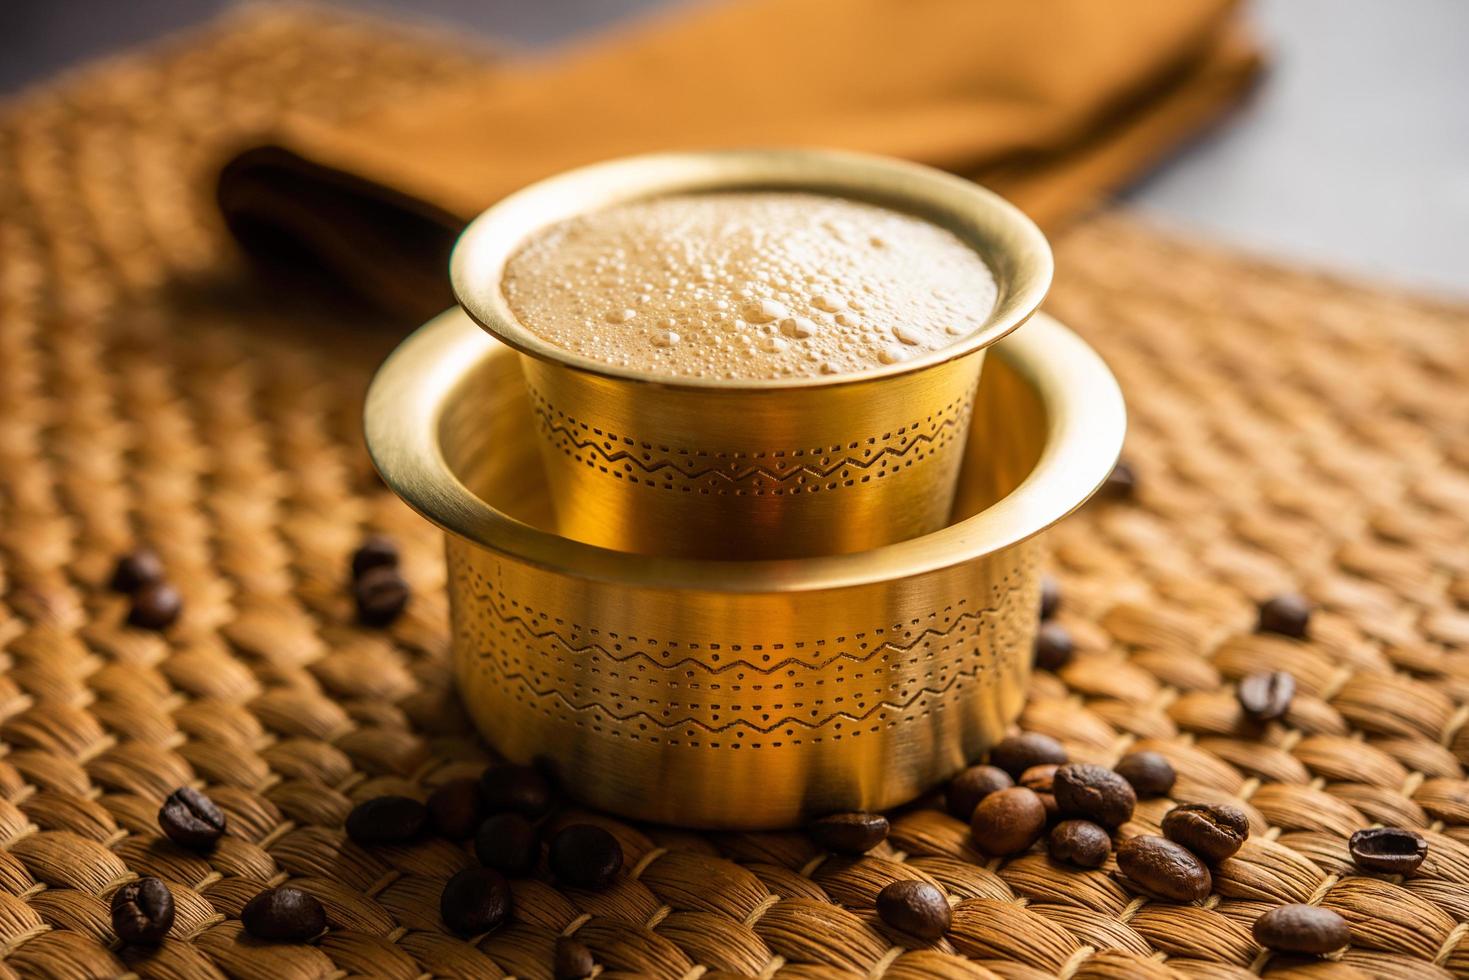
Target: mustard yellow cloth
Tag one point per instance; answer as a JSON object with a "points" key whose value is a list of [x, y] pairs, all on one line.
{"points": [[1050, 102]]}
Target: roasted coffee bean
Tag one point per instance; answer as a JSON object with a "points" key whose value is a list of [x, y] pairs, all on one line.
{"points": [[1121, 483], [852, 834], [1018, 753], [1391, 850], [914, 907], [381, 595], [155, 607], [1288, 614], [584, 855], [1150, 773], [1041, 780], [454, 809], [573, 960], [1161, 868], [509, 843], [1266, 695], [972, 785], [515, 789], [136, 569], [1050, 597], [387, 820], [376, 551], [1302, 929], [191, 819], [1079, 842], [475, 900], [283, 914], [1053, 646], [1094, 793], [142, 911], [1008, 822], [1213, 831]]}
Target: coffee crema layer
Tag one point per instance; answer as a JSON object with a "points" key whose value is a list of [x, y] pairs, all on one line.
{"points": [[749, 285]]}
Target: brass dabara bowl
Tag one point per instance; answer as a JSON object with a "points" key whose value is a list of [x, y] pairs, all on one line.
{"points": [[742, 469], [740, 694]]}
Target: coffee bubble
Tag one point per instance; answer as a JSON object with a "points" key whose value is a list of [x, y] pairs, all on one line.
{"points": [[797, 326]]}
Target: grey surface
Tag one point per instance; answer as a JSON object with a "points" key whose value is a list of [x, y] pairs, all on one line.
{"points": [[1353, 155], [1355, 152]]}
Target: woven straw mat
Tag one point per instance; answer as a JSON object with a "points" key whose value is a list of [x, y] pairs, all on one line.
{"points": [[1290, 432]]}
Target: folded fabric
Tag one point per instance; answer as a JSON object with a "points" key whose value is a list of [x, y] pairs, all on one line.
{"points": [[1050, 102]]}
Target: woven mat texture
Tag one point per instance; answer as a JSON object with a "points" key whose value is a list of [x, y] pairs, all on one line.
{"points": [[1290, 432]]}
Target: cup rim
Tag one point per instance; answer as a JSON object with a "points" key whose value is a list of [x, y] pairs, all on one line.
{"points": [[1086, 421], [994, 227]]}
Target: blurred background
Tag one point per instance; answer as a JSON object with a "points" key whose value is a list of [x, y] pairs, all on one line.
{"points": [[1352, 155]]}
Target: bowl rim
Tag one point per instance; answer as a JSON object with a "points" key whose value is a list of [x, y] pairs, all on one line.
{"points": [[994, 227], [1086, 422]]}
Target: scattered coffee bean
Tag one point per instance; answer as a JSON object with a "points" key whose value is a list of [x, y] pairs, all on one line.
{"points": [[1213, 831], [914, 907], [1391, 850], [509, 843], [1302, 929], [515, 789], [1288, 614], [1050, 597], [283, 914], [155, 607], [852, 834], [584, 855], [1079, 842], [142, 911], [1041, 780], [1008, 822], [387, 820], [454, 810], [1053, 646], [1150, 773], [1163, 869], [381, 595], [972, 785], [1121, 483], [475, 900], [573, 960], [377, 551], [136, 569], [1018, 753], [1266, 695], [1094, 793], [191, 819]]}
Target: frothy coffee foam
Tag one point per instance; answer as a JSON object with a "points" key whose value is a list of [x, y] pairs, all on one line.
{"points": [[748, 285]]}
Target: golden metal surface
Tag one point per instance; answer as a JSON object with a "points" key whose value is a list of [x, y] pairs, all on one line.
{"points": [[740, 693], [786, 468]]}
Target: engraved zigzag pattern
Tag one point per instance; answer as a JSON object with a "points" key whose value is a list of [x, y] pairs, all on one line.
{"points": [[754, 471], [788, 721], [885, 647]]}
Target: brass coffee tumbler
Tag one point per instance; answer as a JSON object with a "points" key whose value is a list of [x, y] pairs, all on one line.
{"points": [[740, 694], [784, 468]]}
